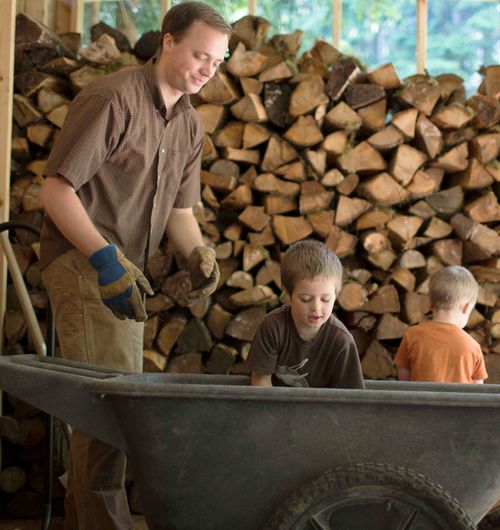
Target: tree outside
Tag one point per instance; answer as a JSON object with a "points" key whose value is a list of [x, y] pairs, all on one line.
{"points": [[463, 35]]}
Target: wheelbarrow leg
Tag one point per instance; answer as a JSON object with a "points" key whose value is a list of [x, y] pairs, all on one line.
{"points": [[49, 434], [41, 348]]}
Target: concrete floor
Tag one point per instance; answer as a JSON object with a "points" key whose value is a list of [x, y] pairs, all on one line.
{"points": [[56, 524]]}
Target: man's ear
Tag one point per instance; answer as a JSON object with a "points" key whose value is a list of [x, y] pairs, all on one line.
{"points": [[168, 42]]}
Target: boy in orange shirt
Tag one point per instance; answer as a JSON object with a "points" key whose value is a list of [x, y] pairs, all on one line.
{"points": [[440, 350]]}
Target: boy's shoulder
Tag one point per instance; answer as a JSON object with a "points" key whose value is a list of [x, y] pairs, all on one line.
{"points": [[279, 316]]}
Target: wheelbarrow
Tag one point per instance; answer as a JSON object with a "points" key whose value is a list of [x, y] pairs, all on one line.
{"points": [[211, 452]]}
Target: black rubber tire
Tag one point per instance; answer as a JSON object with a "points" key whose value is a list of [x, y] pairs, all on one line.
{"points": [[371, 497]]}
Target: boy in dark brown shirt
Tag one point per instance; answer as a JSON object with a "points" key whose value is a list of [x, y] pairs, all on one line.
{"points": [[301, 343]]}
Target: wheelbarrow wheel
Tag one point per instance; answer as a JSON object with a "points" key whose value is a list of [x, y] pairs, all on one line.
{"points": [[371, 497]]}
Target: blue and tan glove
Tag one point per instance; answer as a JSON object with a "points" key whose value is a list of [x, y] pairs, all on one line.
{"points": [[121, 283], [203, 272]]}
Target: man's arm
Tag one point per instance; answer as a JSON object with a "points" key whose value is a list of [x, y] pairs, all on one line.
{"points": [[63, 206], [261, 380], [183, 230], [120, 282]]}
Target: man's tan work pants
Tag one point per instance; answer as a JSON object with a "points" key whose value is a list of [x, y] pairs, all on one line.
{"points": [[89, 332]]}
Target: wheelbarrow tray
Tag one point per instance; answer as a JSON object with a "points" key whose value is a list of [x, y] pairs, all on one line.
{"points": [[212, 452]]}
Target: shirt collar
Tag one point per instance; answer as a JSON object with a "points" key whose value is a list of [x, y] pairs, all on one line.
{"points": [[182, 105]]}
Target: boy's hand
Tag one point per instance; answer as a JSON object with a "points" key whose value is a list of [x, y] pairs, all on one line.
{"points": [[204, 273], [121, 283]]}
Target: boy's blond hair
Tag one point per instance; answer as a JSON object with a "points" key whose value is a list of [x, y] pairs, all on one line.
{"points": [[307, 260], [451, 286]]}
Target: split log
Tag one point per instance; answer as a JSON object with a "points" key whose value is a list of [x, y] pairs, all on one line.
{"points": [[343, 72], [341, 242], [373, 116], [405, 121], [314, 197], [243, 63], [278, 153], [423, 94], [276, 73], [348, 210], [344, 117], [429, 137], [362, 159], [352, 297], [304, 132], [385, 76], [308, 95], [249, 109], [383, 190], [360, 95], [348, 184], [454, 116], [291, 229], [405, 162], [220, 90], [386, 139]]}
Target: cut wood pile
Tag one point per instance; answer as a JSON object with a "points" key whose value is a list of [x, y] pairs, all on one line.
{"points": [[398, 177]]}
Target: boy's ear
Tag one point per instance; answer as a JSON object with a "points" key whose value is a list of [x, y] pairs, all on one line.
{"points": [[465, 307]]}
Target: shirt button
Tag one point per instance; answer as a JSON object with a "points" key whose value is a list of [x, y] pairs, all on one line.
{"points": [[163, 151]]}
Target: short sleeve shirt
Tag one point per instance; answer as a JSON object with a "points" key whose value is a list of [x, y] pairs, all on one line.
{"points": [[128, 164], [330, 360], [442, 353]]}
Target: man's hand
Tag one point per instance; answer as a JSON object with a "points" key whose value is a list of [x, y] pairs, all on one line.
{"points": [[204, 273], [120, 283]]}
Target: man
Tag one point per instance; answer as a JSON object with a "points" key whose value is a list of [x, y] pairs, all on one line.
{"points": [[124, 169]]}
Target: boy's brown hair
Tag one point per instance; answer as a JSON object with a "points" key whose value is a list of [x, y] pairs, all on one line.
{"points": [[451, 286], [180, 17], [307, 260]]}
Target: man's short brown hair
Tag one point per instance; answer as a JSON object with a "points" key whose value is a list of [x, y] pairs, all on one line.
{"points": [[307, 260], [451, 286], [180, 17]]}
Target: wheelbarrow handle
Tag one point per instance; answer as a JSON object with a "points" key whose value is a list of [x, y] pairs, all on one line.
{"points": [[65, 389], [22, 293]]}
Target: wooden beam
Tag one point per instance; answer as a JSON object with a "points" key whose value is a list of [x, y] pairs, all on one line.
{"points": [[165, 5], [422, 13], [76, 17], [37, 9], [337, 22], [7, 39]]}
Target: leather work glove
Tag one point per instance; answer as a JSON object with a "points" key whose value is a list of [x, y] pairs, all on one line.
{"points": [[204, 273], [121, 283]]}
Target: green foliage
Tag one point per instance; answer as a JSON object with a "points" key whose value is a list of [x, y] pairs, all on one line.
{"points": [[463, 35]]}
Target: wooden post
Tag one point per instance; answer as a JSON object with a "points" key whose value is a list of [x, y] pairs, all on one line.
{"points": [[337, 22], [165, 5], [7, 39], [422, 13], [77, 12], [252, 7], [38, 9]]}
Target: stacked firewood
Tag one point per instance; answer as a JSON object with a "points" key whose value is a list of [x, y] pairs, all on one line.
{"points": [[399, 178]]}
